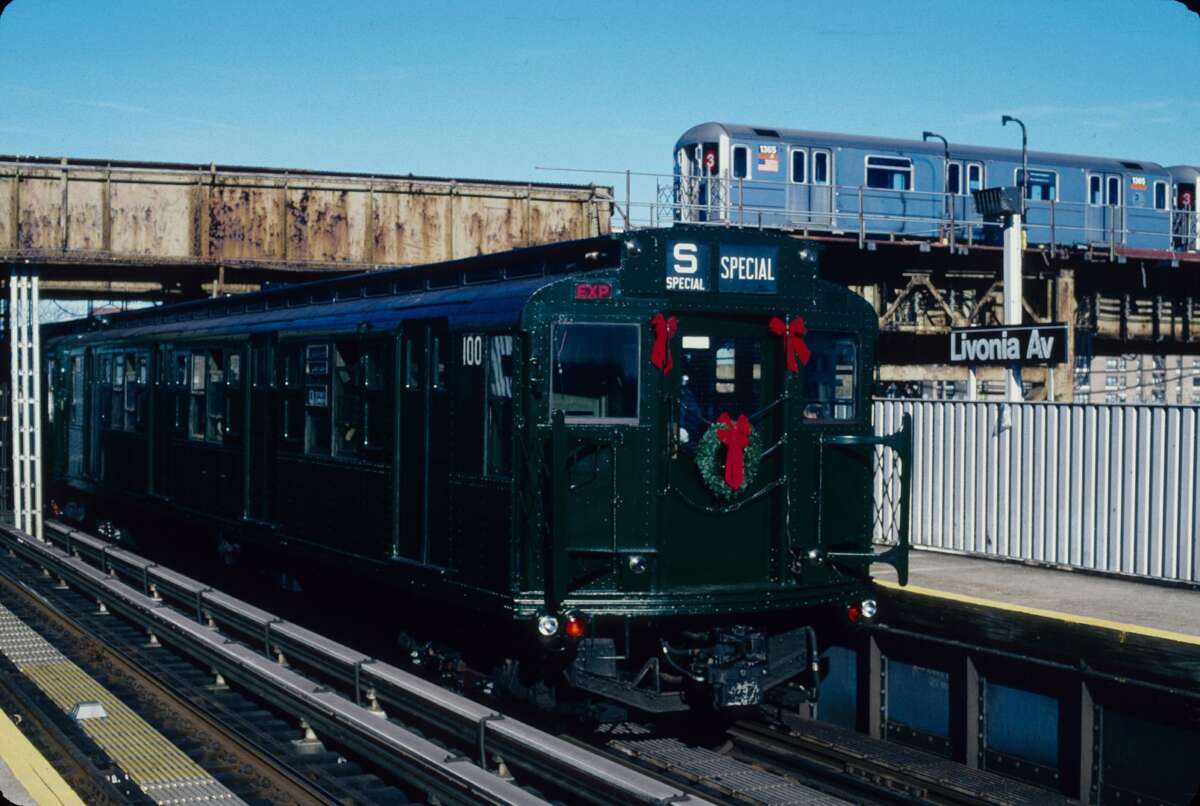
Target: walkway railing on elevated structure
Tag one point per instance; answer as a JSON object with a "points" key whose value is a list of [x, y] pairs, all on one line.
{"points": [[1113, 488], [870, 214]]}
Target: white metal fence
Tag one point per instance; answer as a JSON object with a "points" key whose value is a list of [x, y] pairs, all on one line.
{"points": [[1110, 488]]}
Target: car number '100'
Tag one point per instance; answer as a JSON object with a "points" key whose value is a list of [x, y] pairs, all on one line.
{"points": [[472, 351]]}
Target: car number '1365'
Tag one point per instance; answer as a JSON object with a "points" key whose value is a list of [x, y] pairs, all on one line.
{"points": [[472, 351]]}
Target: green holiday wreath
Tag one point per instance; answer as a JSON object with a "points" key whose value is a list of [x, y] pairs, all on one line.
{"points": [[710, 459]]}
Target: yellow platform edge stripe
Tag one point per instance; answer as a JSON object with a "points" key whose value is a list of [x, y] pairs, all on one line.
{"points": [[41, 781], [1071, 618]]}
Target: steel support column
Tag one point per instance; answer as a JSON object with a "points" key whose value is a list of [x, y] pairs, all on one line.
{"points": [[25, 393]]}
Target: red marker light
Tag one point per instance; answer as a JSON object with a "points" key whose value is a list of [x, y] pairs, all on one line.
{"points": [[574, 627], [853, 612]]}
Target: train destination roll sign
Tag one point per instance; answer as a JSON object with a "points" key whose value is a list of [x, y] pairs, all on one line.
{"points": [[1016, 344]]}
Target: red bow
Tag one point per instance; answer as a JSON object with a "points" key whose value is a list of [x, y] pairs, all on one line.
{"points": [[735, 436], [792, 333], [664, 331]]}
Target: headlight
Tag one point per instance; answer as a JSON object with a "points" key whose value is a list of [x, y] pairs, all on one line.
{"points": [[869, 608], [547, 625]]}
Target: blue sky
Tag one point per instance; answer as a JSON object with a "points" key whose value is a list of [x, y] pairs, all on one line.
{"points": [[478, 89]]}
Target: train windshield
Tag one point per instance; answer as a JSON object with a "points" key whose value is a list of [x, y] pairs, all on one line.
{"points": [[721, 374], [829, 377], [595, 372]]}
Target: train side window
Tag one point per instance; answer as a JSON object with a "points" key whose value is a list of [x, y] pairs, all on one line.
{"points": [[974, 176], [498, 447], [1114, 191], [1160, 195], [829, 378], [1043, 185], [129, 404], [412, 365], [741, 161], [799, 166], [197, 410], [77, 390], [889, 173], [292, 394], [821, 173], [234, 411], [377, 413], [1095, 190], [595, 373], [348, 400], [954, 179], [142, 413], [117, 400], [214, 424], [318, 423]]}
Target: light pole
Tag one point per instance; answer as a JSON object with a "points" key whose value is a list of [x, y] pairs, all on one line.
{"points": [[1013, 248], [1004, 120]]}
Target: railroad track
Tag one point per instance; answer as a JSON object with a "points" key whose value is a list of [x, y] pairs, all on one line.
{"points": [[306, 719]]}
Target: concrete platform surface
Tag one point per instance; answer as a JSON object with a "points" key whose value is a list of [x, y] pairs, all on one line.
{"points": [[26, 778], [1103, 601]]}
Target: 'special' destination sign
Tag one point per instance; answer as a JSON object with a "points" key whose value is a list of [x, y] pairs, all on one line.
{"points": [[1017, 344]]}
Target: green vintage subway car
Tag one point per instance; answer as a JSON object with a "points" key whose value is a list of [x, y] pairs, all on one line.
{"points": [[641, 462]]}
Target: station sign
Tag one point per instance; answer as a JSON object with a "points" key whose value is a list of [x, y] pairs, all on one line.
{"points": [[1018, 344], [740, 268]]}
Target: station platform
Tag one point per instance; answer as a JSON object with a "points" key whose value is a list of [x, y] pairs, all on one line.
{"points": [[1169, 612], [1114, 626], [26, 777]]}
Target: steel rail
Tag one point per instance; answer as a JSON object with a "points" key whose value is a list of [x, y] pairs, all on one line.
{"points": [[128, 584]]}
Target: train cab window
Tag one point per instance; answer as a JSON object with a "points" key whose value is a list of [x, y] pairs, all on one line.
{"points": [[741, 161], [1160, 195], [799, 165], [498, 445], [889, 173], [954, 185], [1114, 191], [718, 374], [595, 372], [1043, 185], [821, 173], [829, 378], [974, 176]]}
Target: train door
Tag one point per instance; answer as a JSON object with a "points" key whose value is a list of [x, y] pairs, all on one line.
{"points": [[1185, 226], [725, 368], [422, 454], [1103, 207], [797, 187], [259, 456], [601, 456], [820, 188]]}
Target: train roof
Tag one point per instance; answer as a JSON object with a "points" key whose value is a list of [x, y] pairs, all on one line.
{"points": [[483, 291], [710, 131]]}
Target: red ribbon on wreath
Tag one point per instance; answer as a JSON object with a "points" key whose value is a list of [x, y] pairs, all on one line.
{"points": [[792, 334], [735, 436], [664, 331]]}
